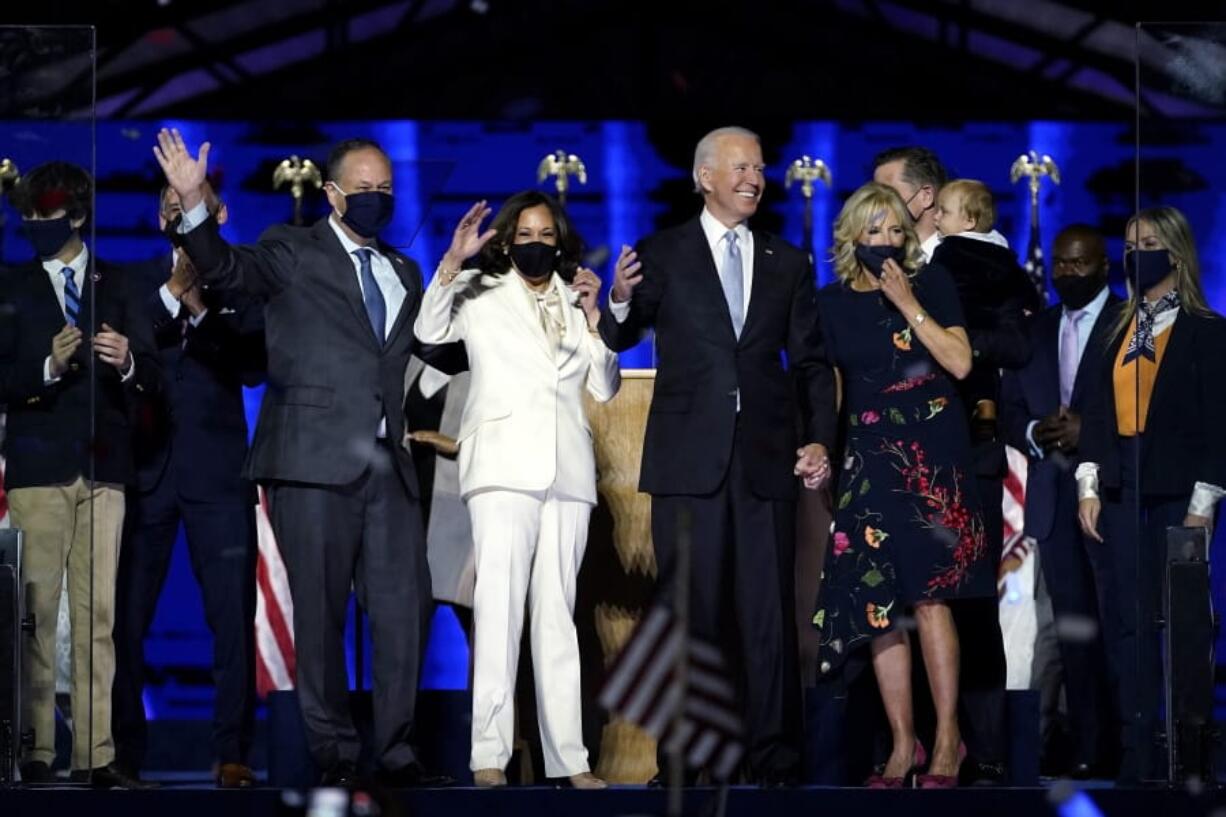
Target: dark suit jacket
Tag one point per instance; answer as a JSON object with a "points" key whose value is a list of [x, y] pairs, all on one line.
{"points": [[47, 437], [329, 381], [996, 294], [778, 364], [195, 431], [1184, 439], [1033, 393]]}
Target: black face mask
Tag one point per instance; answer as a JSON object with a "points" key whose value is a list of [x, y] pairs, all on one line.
{"points": [[874, 257], [171, 231], [369, 212], [1145, 268], [49, 235], [1076, 291], [534, 260]]}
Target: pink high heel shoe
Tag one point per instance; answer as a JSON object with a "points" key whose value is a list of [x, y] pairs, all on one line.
{"points": [[942, 781], [879, 781]]}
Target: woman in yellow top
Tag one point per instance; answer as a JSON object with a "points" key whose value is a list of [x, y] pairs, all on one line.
{"points": [[1152, 454]]}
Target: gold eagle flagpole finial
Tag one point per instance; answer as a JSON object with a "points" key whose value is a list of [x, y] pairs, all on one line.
{"points": [[807, 170], [9, 174], [561, 165], [297, 173], [1033, 167]]}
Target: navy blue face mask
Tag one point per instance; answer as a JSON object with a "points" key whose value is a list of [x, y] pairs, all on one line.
{"points": [[1145, 268], [49, 235], [368, 212], [874, 257]]}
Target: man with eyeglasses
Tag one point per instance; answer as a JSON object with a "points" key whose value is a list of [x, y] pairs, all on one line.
{"points": [[1041, 405]]}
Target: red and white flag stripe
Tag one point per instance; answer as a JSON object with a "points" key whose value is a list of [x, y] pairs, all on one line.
{"points": [[274, 611]]}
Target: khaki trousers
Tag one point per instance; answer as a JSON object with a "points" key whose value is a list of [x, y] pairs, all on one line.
{"points": [[57, 522]]}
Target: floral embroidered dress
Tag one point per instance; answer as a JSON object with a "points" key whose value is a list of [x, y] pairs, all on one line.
{"points": [[907, 523]]}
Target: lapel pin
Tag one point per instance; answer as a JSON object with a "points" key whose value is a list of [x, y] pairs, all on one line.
{"points": [[769, 251]]}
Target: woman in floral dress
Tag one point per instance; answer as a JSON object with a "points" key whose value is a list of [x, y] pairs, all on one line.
{"points": [[908, 534]]}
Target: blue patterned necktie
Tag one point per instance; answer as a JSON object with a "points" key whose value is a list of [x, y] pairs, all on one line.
{"points": [[732, 280], [372, 296], [72, 297], [1142, 342]]}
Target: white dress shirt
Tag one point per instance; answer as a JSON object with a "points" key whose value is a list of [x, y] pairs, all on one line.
{"points": [[385, 275], [78, 266], [175, 305], [1090, 312], [715, 232]]}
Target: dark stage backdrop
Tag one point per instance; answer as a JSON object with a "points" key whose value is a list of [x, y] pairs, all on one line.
{"points": [[638, 180]]}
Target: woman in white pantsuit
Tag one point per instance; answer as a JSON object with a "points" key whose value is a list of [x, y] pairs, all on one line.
{"points": [[527, 314]]}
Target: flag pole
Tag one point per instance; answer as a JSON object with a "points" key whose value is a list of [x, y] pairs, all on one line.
{"points": [[681, 613], [807, 170], [1033, 168]]}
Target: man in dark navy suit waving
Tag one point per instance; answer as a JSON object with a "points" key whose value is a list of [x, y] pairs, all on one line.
{"points": [[339, 311]]}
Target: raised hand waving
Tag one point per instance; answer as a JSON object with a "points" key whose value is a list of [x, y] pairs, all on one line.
{"points": [[183, 173]]}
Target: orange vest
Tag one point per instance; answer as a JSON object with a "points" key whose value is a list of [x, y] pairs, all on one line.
{"points": [[1134, 383]]}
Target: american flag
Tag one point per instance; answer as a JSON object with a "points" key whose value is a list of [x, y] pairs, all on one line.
{"points": [[643, 688], [1013, 505], [1034, 264], [274, 611]]}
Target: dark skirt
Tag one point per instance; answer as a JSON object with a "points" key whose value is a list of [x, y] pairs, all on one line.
{"points": [[907, 525]]}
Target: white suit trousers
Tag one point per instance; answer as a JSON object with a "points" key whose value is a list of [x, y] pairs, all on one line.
{"points": [[527, 546]]}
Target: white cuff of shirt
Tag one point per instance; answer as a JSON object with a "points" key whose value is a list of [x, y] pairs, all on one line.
{"points": [[1205, 497], [172, 304], [194, 217], [47, 378], [124, 378], [1035, 451], [620, 311], [1087, 480]]}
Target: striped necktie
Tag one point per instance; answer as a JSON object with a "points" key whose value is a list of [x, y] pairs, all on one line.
{"points": [[72, 297]]}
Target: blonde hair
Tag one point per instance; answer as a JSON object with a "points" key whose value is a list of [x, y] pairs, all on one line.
{"points": [[863, 207], [1173, 230], [976, 202]]}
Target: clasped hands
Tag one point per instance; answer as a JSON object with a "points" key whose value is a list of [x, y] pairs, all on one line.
{"points": [[110, 346], [1058, 432], [812, 465]]}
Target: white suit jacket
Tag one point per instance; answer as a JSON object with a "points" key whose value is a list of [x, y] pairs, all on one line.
{"points": [[523, 427]]}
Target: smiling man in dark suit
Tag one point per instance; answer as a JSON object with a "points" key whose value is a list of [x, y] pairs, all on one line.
{"points": [[339, 311], [740, 365], [1041, 413]]}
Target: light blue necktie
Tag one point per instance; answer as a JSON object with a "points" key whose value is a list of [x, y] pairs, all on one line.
{"points": [[372, 296], [732, 280], [72, 297]]}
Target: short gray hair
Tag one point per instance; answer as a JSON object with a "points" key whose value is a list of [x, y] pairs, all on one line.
{"points": [[706, 147]]}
